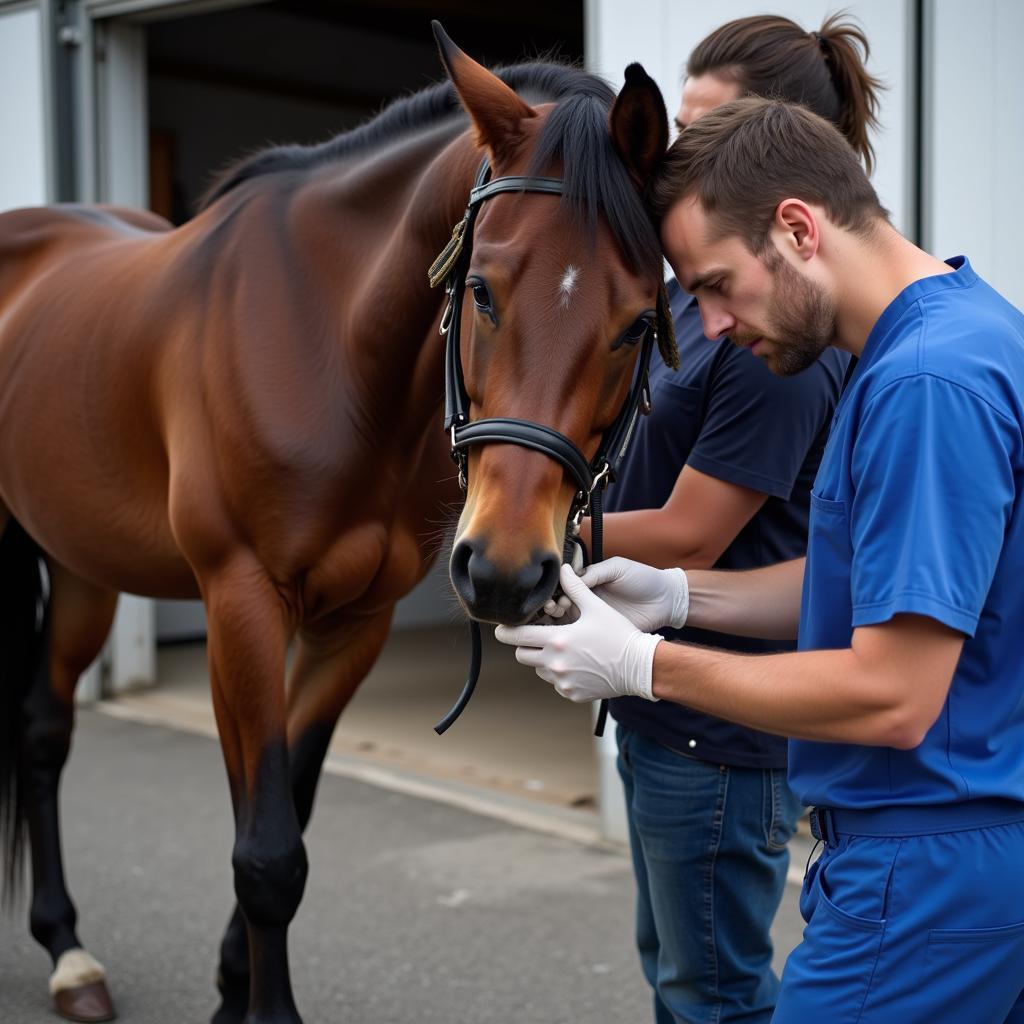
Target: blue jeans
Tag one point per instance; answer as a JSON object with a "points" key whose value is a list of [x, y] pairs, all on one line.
{"points": [[710, 857]]}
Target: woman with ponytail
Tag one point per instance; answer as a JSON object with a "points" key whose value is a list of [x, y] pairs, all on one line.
{"points": [[720, 475], [771, 56]]}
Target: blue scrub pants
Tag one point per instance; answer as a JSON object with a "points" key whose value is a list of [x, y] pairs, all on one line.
{"points": [[907, 924], [710, 857]]}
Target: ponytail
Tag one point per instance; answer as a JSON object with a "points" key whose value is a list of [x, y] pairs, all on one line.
{"points": [[841, 45], [771, 56]]}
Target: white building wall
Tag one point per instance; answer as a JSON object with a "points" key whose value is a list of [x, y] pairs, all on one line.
{"points": [[120, 150], [23, 167], [974, 137], [122, 123]]}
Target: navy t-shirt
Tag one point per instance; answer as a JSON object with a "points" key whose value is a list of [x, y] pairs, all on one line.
{"points": [[727, 415]]}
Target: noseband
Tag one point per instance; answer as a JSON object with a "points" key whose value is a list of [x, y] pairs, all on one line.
{"points": [[590, 477]]}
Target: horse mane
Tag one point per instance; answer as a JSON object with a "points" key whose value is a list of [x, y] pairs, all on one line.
{"points": [[576, 134]]}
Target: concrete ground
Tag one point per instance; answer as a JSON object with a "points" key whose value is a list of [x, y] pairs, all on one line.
{"points": [[428, 899], [517, 736]]}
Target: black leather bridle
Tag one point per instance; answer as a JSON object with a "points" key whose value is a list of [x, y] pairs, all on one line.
{"points": [[590, 476]]}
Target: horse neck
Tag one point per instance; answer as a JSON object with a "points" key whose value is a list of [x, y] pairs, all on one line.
{"points": [[380, 220]]}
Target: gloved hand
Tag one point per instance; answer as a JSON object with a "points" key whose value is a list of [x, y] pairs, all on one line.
{"points": [[650, 598], [601, 654], [556, 607]]}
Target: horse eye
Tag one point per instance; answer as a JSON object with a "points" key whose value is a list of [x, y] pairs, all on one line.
{"points": [[482, 298], [481, 295], [635, 334]]}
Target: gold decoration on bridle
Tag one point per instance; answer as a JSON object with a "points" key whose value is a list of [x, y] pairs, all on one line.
{"points": [[667, 345], [440, 268]]}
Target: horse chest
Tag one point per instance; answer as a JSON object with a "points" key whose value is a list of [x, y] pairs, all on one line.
{"points": [[368, 568], [373, 534]]}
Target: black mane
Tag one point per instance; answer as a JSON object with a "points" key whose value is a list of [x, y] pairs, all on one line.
{"points": [[576, 134]]}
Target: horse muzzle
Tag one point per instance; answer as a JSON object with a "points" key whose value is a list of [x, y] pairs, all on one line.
{"points": [[493, 593]]}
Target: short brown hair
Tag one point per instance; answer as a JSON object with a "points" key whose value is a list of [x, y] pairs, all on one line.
{"points": [[742, 159]]}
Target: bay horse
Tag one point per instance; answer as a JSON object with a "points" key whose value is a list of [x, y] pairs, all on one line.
{"points": [[247, 408]]}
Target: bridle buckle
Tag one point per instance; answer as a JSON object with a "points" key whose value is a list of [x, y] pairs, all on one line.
{"points": [[603, 473], [449, 312], [583, 500], [459, 458]]}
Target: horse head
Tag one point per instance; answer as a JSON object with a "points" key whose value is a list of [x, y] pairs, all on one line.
{"points": [[557, 290]]}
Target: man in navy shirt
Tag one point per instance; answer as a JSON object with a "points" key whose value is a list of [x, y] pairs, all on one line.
{"points": [[906, 698]]}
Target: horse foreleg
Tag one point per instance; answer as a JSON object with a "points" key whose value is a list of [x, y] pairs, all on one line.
{"points": [[78, 621], [247, 635], [326, 673]]}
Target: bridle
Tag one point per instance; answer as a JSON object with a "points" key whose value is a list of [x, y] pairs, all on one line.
{"points": [[590, 476]]}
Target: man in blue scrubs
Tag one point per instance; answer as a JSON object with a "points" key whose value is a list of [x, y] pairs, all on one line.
{"points": [[905, 700], [719, 474]]}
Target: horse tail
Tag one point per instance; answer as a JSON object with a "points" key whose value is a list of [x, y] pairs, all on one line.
{"points": [[21, 645]]}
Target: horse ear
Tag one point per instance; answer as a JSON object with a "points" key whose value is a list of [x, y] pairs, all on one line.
{"points": [[496, 111], [639, 124]]}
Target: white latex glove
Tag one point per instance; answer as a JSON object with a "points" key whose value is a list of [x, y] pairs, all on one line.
{"points": [[601, 654], [650, 598], [556, 607]]}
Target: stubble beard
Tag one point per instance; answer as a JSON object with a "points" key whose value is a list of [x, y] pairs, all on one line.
{"points": [[802, 319]]}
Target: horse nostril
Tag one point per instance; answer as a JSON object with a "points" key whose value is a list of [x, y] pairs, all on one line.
{"points": [[546, 570], [458, 570], [495, 594]]}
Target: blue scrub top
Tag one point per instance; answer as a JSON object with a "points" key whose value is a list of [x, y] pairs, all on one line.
{"points": [[917, 508], [725, 414]]}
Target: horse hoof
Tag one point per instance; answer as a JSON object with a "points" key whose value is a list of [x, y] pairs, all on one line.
{"points": [[229, 1014], [87, 1003]]}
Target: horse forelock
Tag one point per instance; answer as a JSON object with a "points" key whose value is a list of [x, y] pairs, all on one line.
{"points": [[597, 184]]}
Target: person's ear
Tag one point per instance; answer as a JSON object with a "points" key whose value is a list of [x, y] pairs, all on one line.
{"points": [[796, 228]]}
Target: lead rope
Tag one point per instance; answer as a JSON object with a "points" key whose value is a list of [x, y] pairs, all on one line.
{"points": [[469, 686], [597, 555], [476, 654]]}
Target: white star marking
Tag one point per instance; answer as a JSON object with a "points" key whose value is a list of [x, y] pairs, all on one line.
{"points": [[568, 285]]}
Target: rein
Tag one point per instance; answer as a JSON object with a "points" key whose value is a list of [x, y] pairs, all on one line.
{"points": [[590, 476]]}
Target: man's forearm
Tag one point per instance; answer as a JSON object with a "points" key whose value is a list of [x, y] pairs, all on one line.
{"points": [[814, 695], [648, 536], [887, 689], [759, 603]]}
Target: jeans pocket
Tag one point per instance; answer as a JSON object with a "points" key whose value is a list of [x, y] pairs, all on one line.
{"points": [[783, 810], [623, 741]]}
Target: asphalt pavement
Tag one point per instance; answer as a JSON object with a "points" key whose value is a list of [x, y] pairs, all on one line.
{"points": [[414, 910]]}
